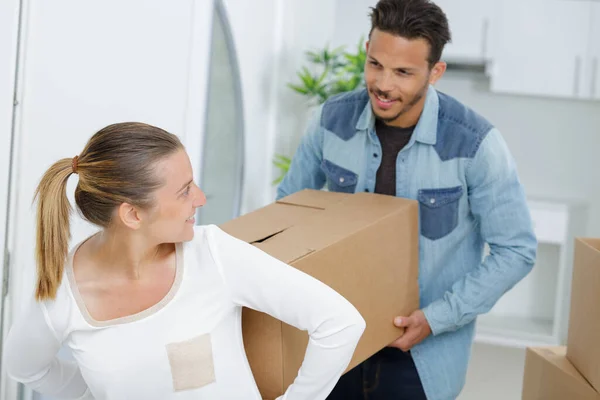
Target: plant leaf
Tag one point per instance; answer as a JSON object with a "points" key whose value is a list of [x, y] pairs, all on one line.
{"points": [[298, 89]]}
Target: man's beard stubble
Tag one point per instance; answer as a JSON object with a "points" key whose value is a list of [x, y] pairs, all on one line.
{"points": [[420, 94]]}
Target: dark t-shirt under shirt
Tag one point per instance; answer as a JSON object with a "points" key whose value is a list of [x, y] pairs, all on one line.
{"points": [[392, 139]]}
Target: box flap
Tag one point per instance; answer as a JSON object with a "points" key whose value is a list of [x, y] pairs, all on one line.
{"points": [[557, 356], [265, 222], [313, 198], [592, 242], [320, 230]]}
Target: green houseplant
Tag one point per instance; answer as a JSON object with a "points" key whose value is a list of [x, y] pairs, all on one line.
{"points": [[330, 71]]}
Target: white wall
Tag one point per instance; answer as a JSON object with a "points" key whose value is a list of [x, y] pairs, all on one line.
{"points": [[309, 25], [354, 23]]}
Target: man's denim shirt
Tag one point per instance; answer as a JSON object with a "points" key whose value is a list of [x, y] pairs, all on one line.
{"points": [[460, 170]]}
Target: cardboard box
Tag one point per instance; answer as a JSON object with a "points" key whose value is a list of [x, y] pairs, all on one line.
{"points": [[364, 246], [550, 376], [583, 348]]}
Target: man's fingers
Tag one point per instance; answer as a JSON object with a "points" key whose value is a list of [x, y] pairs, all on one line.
{"points": [[402, 322], [400, 343], [404, 342]]}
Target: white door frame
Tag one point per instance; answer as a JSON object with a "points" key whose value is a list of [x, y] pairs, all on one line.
{"points": [[10, 33]]}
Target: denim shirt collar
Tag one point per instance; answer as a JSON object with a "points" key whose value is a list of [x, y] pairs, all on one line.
{"points": [[426, 129]]}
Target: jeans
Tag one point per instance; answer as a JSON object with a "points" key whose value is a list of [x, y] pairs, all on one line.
{"points": [[388, 375]]}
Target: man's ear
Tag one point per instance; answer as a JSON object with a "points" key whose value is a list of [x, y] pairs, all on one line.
{"points": [[437, 72]]}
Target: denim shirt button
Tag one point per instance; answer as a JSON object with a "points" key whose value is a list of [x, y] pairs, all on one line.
{"points": [[432, 201]]}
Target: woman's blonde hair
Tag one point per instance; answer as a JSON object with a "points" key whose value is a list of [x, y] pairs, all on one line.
{"points": [[116, 166]]}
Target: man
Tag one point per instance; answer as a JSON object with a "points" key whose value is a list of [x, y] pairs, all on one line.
{"points": [[401, 137]]}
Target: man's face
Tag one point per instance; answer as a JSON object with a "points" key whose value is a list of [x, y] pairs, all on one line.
{"points": [[397, 75]]}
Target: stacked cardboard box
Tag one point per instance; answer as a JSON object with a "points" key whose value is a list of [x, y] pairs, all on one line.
{"points": [[365, 246], [572, 372], [549, 375]]}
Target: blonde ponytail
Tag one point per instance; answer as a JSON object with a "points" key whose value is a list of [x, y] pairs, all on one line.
{"points": [[53, 228]]}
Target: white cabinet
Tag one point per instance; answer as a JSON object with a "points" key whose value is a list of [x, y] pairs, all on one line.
{"points": [[470, 26], [535, 311], [531, 47], [540, 47]]}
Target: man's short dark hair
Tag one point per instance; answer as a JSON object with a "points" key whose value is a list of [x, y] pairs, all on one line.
{"points": [[413, 19]]}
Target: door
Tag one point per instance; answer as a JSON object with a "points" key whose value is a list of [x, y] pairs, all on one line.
{"points": [[221, 174], [540, 47], [469, 24]]}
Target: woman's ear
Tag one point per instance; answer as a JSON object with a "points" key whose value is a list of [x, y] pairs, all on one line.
{"points": [[129, 216]]}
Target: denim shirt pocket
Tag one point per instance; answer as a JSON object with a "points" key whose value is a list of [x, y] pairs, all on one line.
{"points": [[438, 210], [339, 179]]}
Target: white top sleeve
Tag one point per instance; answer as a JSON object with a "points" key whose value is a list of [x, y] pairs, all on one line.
{"points": [[31, 357], [261, 282]]}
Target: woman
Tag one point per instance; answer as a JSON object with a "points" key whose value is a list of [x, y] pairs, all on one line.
{"points": [[151, 305]]}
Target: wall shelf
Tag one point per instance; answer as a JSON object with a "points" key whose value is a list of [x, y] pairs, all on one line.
{"points": [[535, 311]]}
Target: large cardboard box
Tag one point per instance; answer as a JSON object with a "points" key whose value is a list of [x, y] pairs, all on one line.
{"points": [[583, 344], [365, 246], [550, 376]]}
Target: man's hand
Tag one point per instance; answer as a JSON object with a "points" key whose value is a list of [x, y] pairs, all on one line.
{"points": [[416, 328]]}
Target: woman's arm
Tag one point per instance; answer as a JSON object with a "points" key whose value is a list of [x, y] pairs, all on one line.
{"points": [[258, 281], [31, 357]]}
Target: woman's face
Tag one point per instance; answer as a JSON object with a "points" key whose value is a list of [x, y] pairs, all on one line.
{"points": [[171, 219]]}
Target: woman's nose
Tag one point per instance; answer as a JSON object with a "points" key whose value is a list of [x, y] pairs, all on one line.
{"points": [[200, 198]]}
